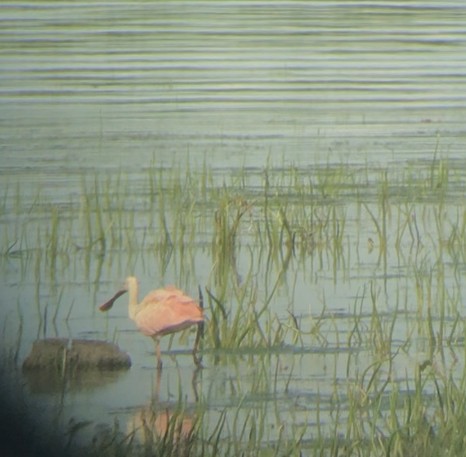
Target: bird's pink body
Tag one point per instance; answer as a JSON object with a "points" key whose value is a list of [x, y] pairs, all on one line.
{"points": [[161, 312], [165, 311]]}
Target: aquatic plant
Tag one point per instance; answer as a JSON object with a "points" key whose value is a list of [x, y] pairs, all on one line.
{"points": [[353, 270]]}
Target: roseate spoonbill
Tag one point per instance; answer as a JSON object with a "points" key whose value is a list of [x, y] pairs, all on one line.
{"points": [[161, 312]]}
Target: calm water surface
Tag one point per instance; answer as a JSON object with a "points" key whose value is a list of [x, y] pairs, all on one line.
{"points": [[115, 89]]}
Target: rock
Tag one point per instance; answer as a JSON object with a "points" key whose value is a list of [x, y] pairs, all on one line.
{"points": [[98, 354], [60, 355]]}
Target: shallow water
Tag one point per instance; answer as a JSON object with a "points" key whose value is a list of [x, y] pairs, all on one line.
{"points": [[108, 98]]}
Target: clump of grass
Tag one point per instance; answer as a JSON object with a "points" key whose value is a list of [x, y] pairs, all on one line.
{"points": [[226, 231]]}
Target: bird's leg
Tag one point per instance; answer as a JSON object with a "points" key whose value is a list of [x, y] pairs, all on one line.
{"points": [[157, 387], [157, 352]]}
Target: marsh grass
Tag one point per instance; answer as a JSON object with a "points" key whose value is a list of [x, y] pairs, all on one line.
{"points": [[401, 334]]}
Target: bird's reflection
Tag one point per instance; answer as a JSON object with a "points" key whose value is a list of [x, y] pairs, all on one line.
{"points": [[174, 427], [170, 424]]}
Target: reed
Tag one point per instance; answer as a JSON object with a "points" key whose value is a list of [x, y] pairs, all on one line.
{"points": [[392, 345]]}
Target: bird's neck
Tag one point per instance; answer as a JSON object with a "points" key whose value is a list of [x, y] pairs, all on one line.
{"points": [[133, 299]]}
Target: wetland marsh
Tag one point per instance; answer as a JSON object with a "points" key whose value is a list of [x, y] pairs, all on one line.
{"points": [[333, 296], [303, 165]]}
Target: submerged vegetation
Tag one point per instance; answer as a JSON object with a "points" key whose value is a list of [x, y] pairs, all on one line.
{"points": [[372, 363]]}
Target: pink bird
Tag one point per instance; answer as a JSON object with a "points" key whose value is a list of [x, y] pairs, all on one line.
{"points": [[161, 312]]}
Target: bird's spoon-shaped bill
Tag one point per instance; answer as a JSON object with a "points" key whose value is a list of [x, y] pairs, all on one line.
{"points": [[108, 304]]}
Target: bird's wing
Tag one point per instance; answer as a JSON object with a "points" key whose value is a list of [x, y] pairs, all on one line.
{"points": [[171, 293], [166, 311]]}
